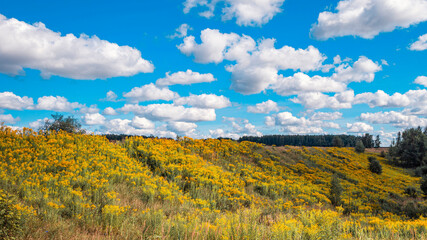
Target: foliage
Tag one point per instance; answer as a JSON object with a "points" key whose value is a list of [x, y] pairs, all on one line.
{"points": [[335, 191], [60, 123], [10, 219], [424, 185], [360, 147], [410, 148], [375, 165], [302, 140], [337, 142], [411, 191], [74, 186], [377, 142]]}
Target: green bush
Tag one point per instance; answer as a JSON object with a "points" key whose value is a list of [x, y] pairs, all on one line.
{"points": [[360, 148], [375, 166], [411, 191], [10, 220], [424, 184], [335, 191]]}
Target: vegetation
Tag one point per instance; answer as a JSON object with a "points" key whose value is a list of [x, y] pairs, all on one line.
{"points": [[335, 191], [310, 140], [360, 147], [60, 123], [410, 148], [76, 186], [375, 165]]}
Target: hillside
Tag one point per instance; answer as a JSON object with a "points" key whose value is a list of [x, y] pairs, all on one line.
{"points": [[64, 186]]}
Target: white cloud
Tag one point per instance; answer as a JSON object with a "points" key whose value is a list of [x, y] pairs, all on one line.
{"points": [[181, 31], [109, 111], [185, 78], [58, 104], [246, 12], [257, 65], [264, 107], [37, 124], [313, 100], [217, 133], [123, 126], [301, 83], [396, 119], [367, 18], [420, 45], [170, 112], [204, 101], [8, 118], [150, 92], [8, 100], [363, 69], [142, 123], [183, 128], [382, 99], [326, 116], [422, 80], [34, 46], [91, 109], [111, 96], [93, 119], [359, 127]]}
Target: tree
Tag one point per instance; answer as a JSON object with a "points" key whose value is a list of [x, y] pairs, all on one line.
{"points": [[377, 142], [335, 191], [60, 123], [375, 166], [360, 148], [337, 142], [424, 185]]}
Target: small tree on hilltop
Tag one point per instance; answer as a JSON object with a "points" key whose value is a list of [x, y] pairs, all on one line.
{"points": [[360, 148], [335, 191], [60, 123]]}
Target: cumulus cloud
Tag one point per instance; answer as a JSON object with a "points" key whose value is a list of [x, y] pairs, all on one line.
{"points": [[181, 31], [219, 132], [124, 126], [363, 69], [109, 111], [397, 119], [419, 45], [421, 80], [38, 123], [185, 78], [204, 101], [34, 46], [170, 112], [246, 12], [150, 92], [8, 118], [182, 128], [93, 119], [91, 109], [264, 107], [382, 99], [326, 116], [257, 65], [142, 123], [367, 18], [295, 125], [359, 127], [317, 100], [239, 127], [58, 104], [302, 83], [111, 96], [8, 100]]}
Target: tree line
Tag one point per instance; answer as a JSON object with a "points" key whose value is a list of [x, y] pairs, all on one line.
{"points": [[316, 140]]}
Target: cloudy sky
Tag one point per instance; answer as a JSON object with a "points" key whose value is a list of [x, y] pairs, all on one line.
{"points": [[216, 68]]}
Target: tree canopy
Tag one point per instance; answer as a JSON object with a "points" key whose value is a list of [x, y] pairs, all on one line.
{"points": [[61, 123]]}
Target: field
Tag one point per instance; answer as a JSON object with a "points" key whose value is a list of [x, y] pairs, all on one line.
{"points": [[65, 186]]}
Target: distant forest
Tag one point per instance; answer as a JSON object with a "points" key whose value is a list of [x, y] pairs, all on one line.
{"points": [[315, 140]]}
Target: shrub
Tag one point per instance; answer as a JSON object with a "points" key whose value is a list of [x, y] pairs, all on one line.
{"points": [[360, 148], [382, 154], [424, 184], [10, 220], [411, 191], [335, 191], [375, 166]]}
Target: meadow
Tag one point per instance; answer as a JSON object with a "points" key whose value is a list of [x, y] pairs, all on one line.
{"points": [[78, 186]]}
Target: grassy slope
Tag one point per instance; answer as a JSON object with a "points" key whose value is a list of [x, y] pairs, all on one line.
{"points": [[79, 187]]}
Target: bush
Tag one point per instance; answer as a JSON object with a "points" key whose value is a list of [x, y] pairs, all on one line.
{"points": [[382, 154], [360, 148], [424, 185], [10, 220], [411, 191], [375, 166], [60, 123], [335, 191]]}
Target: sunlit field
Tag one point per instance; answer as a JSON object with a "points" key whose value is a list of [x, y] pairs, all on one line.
{"points": [[75, 186]]}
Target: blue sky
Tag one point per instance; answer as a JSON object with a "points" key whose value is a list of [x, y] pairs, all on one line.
{"points": [[224, 68]]}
